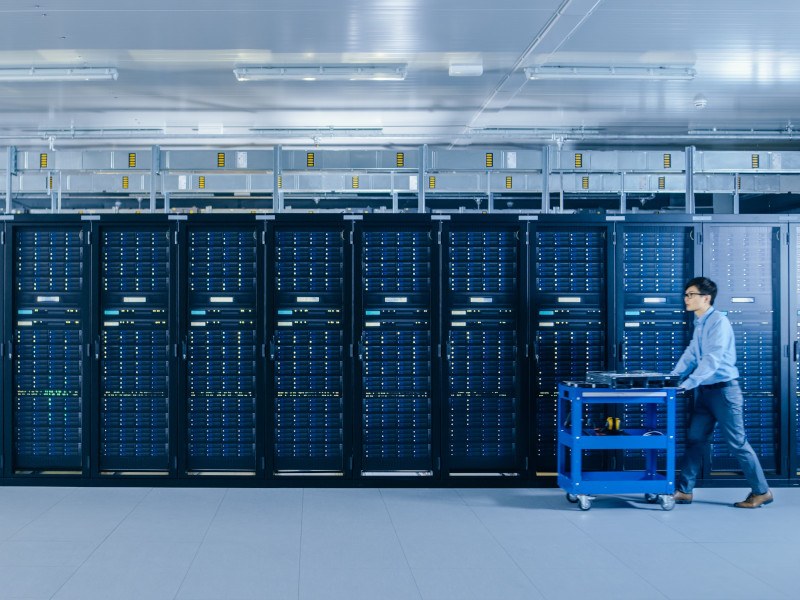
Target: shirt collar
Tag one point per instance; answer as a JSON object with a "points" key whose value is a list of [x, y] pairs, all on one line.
{"points": [[699, 320]]}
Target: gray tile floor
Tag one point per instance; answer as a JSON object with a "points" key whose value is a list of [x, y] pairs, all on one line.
{"points": [[386, 544]]}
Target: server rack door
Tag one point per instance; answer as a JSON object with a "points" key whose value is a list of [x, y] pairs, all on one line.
{"points": [[569, 322], [221, 348], [49, 333], [395, 349], [657, 260], [134, 349], [481, 327], [4, 344], [744, 262], [307, 349], [794, 337]]}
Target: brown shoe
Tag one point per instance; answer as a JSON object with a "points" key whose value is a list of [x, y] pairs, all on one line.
{"points": [[754, 500], [682, 497]]}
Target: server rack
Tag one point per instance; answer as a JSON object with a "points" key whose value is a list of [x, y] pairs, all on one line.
{"points": [[793, 370], [134, 428], [481, 326], [220, 346], [569, 317], [47, 411], [307, 348], [655, 263], [393, 318], [745, 262]]}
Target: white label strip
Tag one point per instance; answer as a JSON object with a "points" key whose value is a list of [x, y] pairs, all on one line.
{"points": [[198, 323], [632, 324], [397, 300], [569, 299], [476, 300], [655, 300], [458, 313], [372, 324], [308, 298], [134, 299], [111, 323], [743, 300], [546, 324], [459, 324], [221, 299], [285, 323], [25, 323], [48, 299]]}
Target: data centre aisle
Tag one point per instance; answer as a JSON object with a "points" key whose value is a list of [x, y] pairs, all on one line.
{"points": [[394, 544]]}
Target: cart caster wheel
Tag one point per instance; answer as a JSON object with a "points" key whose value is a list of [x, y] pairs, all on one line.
{"points": [[651, 498], [584, 502], [667, 502], [572, 498]]}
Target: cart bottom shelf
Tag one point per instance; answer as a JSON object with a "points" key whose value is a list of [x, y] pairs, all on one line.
{"points": [[617, 482]]}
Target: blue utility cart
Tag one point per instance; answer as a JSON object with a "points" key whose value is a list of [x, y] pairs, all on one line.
{"points": [[574, 438]]}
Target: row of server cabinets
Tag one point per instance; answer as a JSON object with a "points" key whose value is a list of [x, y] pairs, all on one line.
{"points": [[367, 347]]}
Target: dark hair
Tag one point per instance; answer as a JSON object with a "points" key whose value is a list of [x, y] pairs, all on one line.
{"points": [[704, 285]]}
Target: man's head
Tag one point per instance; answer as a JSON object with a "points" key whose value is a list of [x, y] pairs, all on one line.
{"points": [[699, 294]]}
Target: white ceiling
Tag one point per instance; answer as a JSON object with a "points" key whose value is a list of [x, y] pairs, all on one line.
{"points": [[175, 60]]}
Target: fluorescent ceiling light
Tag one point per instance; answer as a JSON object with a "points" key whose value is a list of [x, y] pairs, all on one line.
{"points": [[67, 74], [574, 72], [466, 70], [394, 72]]}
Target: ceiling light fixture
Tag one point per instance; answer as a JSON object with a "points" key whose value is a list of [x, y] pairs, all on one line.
{"points": [[575, 72], [393, 72], [61, 74], [466, 70]]}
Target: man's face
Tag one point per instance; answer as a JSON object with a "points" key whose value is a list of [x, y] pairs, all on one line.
{"points": [[694, 300]]}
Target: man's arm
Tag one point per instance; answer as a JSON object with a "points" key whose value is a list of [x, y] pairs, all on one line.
{"points": [[717, 336], [687, 361]]}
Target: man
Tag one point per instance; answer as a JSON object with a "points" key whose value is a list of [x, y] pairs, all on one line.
{"points": [[709, 366]]}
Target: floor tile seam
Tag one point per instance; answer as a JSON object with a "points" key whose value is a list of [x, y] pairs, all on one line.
{"points": [[400, 543], [633, 569], [504, 549], [200, 545], [748, 572], [51, 507], [300, 545], [103, 541]]}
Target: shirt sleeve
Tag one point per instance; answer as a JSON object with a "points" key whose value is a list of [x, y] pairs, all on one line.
{"points": [[715, 338], [687, 361]]}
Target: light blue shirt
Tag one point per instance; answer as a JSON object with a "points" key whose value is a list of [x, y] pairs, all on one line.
{"points": [[711, 355]]}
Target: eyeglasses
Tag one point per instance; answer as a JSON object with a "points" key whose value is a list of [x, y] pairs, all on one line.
{"points": [[693, 294]]}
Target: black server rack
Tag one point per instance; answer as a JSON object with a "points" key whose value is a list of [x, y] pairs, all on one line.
{"points": [[394, 333], [307, 348], [221, 348], [569, 322], [48, 395], [744, 262], [481, 323], [794, 340], [657, 261], [134, 322]]}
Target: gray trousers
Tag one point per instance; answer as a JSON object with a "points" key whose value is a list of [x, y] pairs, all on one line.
{"points": [[724, 406]]}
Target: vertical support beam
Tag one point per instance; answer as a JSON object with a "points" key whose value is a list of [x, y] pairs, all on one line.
{"points": [[489, 194], [155, 171], [690, 207], [395, 198], [52, 192], [166, 202], [735, 193], [623, 197], [58, 194], [545, 178], [422, 177], [11, 168], [277, 192]]}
